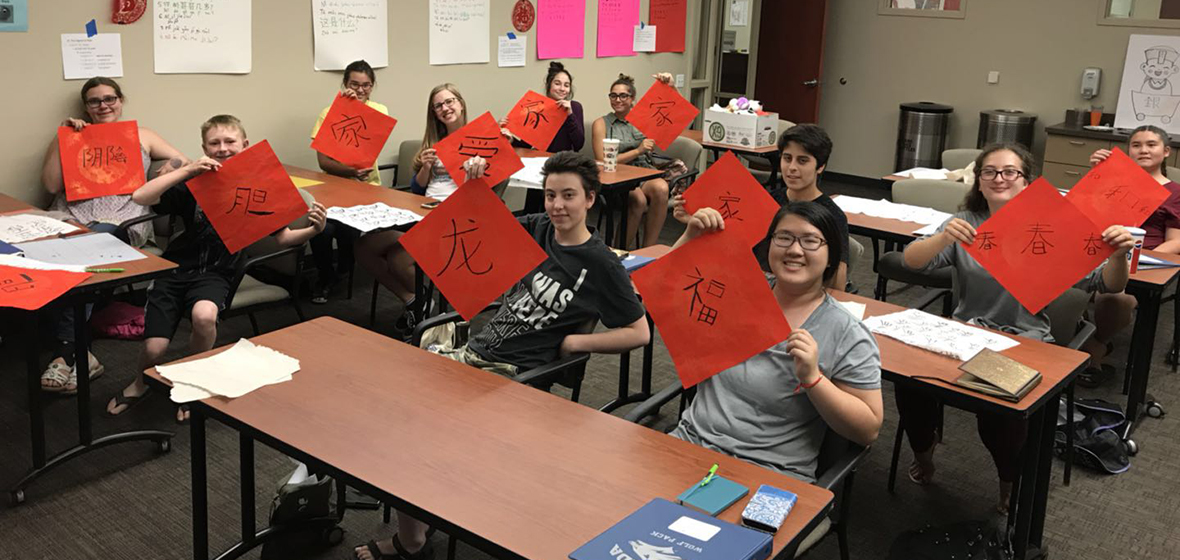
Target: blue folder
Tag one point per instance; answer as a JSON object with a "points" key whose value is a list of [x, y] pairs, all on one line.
{"points": [[662, 529]]}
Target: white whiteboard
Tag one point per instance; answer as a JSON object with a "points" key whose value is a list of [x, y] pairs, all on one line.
{"points": [[349, 30], [206, 37], [459, 32]]}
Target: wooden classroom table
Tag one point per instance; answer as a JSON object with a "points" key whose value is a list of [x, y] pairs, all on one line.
{"points": [[338, 191], [770, 153], [517, 472], [10, 204], [935, 374]]}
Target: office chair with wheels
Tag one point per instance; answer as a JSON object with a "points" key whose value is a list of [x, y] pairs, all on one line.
{"points": [[941, 195], [958, 158]]}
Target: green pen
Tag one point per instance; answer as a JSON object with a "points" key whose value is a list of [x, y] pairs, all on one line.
{"points": [[106, 270], [709, 477]]}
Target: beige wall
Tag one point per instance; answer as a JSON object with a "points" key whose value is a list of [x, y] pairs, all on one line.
{"points": [[280, 99], [1040, 49]]}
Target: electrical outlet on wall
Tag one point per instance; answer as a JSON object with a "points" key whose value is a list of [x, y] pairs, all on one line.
{"points": [[993, 77], [680, 80]]}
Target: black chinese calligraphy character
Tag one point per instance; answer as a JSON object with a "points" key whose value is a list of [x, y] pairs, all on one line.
{"points": [[536, 112], [457, 242], [706, 314], [1038, 243], [726, 211], [248, 198], [348, 131], [103, 156], [987, 240], [13, 285], [1092, 245], [482, 146], [660, 107]]}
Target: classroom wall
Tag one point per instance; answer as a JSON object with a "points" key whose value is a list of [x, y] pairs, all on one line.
{"points": [[1040, 49], [280, 99]]}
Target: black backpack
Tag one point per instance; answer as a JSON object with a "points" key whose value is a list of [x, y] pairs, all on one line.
{"points": [[967, 540], [1097, 437]]}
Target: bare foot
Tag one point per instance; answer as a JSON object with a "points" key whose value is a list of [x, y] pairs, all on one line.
{"points": [[182, 414]]}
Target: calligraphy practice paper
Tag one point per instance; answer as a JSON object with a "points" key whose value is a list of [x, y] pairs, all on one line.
{"points": [[662, 114], [536, 119], [353, 133], [17, 228], [670, 17], [561, 28], [712, 304], [242, 368], [1038, 245], [348, 30], [92, 249], [730, 189], [1117, 192], [459, 31], [249, 197], [480, 137], [529, 176], [101, 160], [473, 248], [206, 37], [30, 288], [369, 217], [616, 23], [938, 335]]}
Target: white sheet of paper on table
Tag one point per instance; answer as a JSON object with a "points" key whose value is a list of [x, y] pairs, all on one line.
{"points": [[857, 309], [938, 335], [928, 230], [17, 228], [891, 210], [92, 249], [923, 173], [242, 368], [1147, 261], [369, 217], [33, 264], [529, 176]]}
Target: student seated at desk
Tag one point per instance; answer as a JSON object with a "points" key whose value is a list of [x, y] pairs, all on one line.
{"points": [[774, 409], [559, 86], [380, 252], [358, 83], [1149, 147], [1004, 171], [102, 101], [580, 281], [201, 282]]}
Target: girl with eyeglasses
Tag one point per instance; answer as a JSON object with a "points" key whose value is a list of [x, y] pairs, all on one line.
{"points": [[774, 409], [102, 102], [1004, 171]]}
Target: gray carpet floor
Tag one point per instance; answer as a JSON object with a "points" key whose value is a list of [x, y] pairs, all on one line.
{"points": [[130, 502]]}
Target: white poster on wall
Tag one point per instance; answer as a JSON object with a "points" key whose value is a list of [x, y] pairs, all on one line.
{"points": [[206, 37], [512, 50], [349, 30], [739, 13], [459, 32], [85, 57], [1148, 93]]}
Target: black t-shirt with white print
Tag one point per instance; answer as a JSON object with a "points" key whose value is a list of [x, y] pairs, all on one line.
{"points": [[574, 285]]}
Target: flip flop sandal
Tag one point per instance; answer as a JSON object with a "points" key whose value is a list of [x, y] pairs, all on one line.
{"points": [[96, 371], [128, 402], [400, 552]]}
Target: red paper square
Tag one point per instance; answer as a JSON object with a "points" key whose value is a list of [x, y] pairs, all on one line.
{"points": [[1038, 245], [473, 248], [481, 137], [353, 133], [101, 160], [730, 189], [712, 305], [1117, 192], [25, 288], [250, 197], [669, 17], [662, 114], [536, 119]]}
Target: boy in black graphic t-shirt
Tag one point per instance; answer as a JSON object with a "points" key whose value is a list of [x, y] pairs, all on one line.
{"points": [[581, 280]]}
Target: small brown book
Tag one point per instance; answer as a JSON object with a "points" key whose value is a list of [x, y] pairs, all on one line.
{"points": [[995, 374]]}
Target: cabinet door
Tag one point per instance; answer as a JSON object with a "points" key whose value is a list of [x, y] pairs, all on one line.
{"points": [[1071, 150], [1064, 176]]}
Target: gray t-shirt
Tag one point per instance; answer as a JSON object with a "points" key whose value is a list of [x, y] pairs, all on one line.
{"points": [[984, 301], [751, 410]]}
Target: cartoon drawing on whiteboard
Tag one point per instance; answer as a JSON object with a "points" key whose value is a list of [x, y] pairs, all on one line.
{"points": [[1154, 98]]}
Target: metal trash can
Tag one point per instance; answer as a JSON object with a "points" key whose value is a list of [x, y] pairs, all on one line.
{"points": [[1006, 125], [921, 135]]}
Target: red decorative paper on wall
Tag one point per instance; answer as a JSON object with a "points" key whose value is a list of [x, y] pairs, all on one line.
{"points": [[353, 133], [662, 114], [523, 16], [127, 11], [730, 189], [480, 137], [669, 17], [101, 160]]}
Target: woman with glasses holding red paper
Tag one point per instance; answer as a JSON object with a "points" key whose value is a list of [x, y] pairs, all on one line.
{"points": [[102, 102], [1004, 170]]}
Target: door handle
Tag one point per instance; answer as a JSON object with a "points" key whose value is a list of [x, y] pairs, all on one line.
{"points": [[811, 83]]}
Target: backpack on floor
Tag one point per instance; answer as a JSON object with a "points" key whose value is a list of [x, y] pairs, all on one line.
{"points": [[308, 509], [967, 540], [1097, 436]]}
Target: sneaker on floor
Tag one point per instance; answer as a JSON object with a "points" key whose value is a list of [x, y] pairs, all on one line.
{"points": [[319, 295]]}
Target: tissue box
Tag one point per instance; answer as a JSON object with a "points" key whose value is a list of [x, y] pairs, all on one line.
{"points": [[740, 130]]}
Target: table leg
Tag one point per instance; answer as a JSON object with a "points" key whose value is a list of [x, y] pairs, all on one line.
{"points": [[199, 484], [246, 479], [82, 366], [1026, 487], [623, 211], [609, 234], [772, 159], [1142, 345], [36, 413], [1041, 492]]}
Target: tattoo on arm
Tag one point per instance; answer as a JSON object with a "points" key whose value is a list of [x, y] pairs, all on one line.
{"points": [[172, 165]]}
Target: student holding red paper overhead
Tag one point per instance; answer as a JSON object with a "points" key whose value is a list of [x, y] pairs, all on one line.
{"points": [[774, 408], [102, 102], [1149, 147], [200, 284], [1004, 170], [580, 280]]}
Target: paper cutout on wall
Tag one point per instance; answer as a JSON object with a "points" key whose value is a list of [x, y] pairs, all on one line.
{"points": [[250, 197], [670, 17], [353, 133], [29, 289], [472, 248], [662, 114], [616, 23], [561, 28], [101, 160], [730, 189], [1117, 192], [480, 137], [536, 119], [712, 305], [1038, 245]]}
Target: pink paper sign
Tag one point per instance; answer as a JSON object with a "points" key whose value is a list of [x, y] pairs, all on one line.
{"points": [[561, 28], [616, 27]]}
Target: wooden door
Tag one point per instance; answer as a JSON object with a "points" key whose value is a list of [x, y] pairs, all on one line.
{"points": [[790, 58]]}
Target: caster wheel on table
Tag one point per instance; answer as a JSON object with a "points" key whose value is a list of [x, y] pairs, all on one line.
{"points": [[333, 536], [164, 446], [18, 497], [1132, 447]]}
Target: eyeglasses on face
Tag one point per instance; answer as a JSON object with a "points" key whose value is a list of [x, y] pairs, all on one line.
{"points": [[360, 85], [619, 96], [1009, 174], [784, 240], [450, 102], [96, 102]]}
